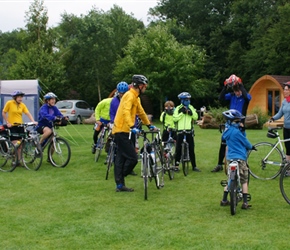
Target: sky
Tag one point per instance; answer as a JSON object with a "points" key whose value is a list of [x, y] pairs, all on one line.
{"points": [[12, 12]]}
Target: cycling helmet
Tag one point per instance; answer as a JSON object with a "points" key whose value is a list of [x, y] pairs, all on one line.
{"points": [[139, 79], [287, 84], [122, 87], [233, 80], [17, 93], [49, 95], [233, 114], [184, 95]]}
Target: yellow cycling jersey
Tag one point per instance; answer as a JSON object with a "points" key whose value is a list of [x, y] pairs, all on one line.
{"points": [[129, 107], [15, 111]]}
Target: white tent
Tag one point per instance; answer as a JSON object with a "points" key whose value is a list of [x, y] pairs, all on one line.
{"points": [[31, 98]]}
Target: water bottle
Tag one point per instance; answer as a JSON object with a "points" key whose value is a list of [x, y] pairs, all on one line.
{"points": [[152, 154], [17, 143]]}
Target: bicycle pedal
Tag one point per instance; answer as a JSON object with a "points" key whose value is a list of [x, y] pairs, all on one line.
{"points": [[249, 197], [224, 183]]}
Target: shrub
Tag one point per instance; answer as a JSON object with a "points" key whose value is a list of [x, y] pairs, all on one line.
{"points": [[262, 117], [217, 114]]}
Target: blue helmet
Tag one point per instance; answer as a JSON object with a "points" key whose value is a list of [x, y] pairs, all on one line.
{"points": [[122, 87], [49, 95], [233, 114], [184, 95], [17, 93]]}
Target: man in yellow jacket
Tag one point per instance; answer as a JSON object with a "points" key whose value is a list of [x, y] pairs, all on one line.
{"points": [[130, 106]]}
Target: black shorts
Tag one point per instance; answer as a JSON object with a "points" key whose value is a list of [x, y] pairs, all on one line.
{"points": [[40, 130], [16, 133]]}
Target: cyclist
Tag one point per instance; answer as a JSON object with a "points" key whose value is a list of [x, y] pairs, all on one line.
{"points": [[239, 99], [12, 114], [238, 145], [102, 115], [166, 118], [48, 113], [285, 111], [185, 115], [130, 106]]}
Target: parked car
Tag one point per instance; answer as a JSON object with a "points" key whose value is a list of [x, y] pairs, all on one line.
{"points": [[75, 110]]}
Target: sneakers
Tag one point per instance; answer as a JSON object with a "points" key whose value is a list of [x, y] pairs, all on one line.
{"points": [[176, 169], [217, 168], [93, 149], [124, 189], [246, 206], [225, 203], [195, 169]]}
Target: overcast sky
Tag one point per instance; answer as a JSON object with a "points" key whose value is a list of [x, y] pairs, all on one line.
{"points": [[12, 12]]}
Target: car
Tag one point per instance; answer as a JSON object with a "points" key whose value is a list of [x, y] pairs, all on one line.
{"points": [[75, 110]]}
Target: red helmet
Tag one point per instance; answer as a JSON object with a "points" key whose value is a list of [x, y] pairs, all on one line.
{"points": [[287, 84], [233, 80]]}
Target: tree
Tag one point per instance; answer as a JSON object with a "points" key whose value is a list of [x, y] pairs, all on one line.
{"points": [[170, 66]]}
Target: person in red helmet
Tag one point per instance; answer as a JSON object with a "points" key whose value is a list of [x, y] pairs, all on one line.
{"points": [[239, 100]]}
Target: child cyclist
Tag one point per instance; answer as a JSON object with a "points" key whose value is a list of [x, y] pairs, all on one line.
{"points": [[166, 118], [238, 145]]}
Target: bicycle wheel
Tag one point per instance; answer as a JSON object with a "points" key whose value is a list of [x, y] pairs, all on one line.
{"points": [[110, 160], [169, 166], [99, 148], [59, 152], [8, 156], [233, 196], [264, 168], [285, 183], [145, 174], [184, 159], [31, 155], [159, 170]]}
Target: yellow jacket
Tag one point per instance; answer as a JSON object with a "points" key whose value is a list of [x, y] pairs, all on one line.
{"points": [[103, 109], [129, 107]]}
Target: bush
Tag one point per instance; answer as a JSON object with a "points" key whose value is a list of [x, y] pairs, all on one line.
{"points": [[262, 117], [217, 114]]}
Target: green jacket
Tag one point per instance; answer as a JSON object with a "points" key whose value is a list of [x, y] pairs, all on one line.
{"points": [[167, 120], [184, 121], [103, 109]]}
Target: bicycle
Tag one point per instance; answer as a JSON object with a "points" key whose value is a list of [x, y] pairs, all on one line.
{"points": [[267, 162], [185, 159], [168, 152], [284, 182], [59, 151], [110, 156], [30, 150], [101, 141], [8, 151], [152, 162], [233, 185]]}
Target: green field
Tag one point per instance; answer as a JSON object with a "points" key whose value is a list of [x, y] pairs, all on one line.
{"points": [[76, 208]]}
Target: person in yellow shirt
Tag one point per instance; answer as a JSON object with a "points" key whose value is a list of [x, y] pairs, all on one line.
{"points": [[12, 115], [130, 106]]}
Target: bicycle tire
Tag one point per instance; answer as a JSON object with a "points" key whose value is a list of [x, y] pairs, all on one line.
{"points": [[184, 160], [60, 157], [261, 170], [284, 183], [31, 154], [159, 170], [233, 196], [99, 148], [8, 155], [169, 166], [110, 159], [145, 174]]}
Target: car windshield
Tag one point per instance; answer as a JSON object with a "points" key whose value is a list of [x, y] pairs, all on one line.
{"points": [[64, 105]]}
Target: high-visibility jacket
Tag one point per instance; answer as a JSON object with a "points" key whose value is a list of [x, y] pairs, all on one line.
{"points": [[103, 109], [184, 121]]}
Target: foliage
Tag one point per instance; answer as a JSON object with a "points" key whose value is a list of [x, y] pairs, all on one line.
{"points": [[262, 117], [217, 113]]}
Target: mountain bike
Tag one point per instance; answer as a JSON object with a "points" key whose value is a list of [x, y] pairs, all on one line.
{"points": [[185, 159], [59, 151], [233, 185], [267, 162], [101, 141], [169, 152], [8, 151], [110, 156], [151, 160]]}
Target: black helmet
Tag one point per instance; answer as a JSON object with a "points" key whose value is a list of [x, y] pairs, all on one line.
{"points": [[139, 79]]}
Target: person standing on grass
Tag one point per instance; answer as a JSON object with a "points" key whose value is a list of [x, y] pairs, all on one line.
{"points": [[239, 99], [238, 145], [285, 111], [12, 115], [166, 118], [185, 115], [130, 106]]}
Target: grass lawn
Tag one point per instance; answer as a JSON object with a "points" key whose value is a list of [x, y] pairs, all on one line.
{"points": [[76, 208]]}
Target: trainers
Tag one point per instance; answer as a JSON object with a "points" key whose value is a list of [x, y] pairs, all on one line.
{"points": [[225, 203], [124, 189], [195, 169], [93, 149], [176, 169], [246, 206], [217, 168], [133, 173]]}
